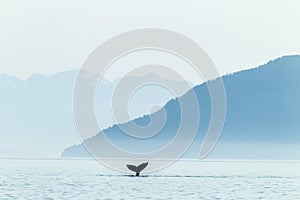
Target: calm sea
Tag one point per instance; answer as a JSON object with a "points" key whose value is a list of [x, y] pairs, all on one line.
{"points": [[87, 179]]}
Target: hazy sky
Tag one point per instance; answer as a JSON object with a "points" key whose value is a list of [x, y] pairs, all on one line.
{"points": [[57, 35]]}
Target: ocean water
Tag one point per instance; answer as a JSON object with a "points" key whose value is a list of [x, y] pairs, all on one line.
{"points": [[87, 179]]}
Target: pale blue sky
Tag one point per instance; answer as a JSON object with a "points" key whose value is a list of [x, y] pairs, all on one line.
{"points": [[57, 35]]}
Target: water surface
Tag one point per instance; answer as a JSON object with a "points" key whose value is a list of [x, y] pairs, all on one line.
{"points": [[87, 179]]}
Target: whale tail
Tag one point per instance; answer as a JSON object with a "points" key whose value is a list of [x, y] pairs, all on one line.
{"points": [[137, 169]]}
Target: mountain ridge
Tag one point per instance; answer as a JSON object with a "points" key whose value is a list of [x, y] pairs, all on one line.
{"points": [[232, 89], [41, 106]]}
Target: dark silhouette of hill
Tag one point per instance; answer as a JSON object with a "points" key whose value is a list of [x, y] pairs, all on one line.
{"points": [[262, 119]]}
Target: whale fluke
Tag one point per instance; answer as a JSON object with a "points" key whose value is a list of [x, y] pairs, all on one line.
{"points": [[137, 169]]}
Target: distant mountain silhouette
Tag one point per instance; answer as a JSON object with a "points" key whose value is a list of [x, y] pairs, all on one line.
{"points": [[262, 121], [36, 116]]}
